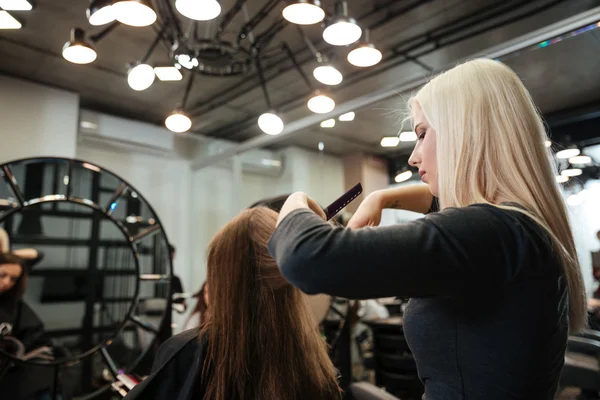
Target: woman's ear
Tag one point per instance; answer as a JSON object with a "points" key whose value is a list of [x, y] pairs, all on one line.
{"points": [[4, 241]]}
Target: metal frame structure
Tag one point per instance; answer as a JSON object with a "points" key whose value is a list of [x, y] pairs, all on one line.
{"points": [[133, 243]]}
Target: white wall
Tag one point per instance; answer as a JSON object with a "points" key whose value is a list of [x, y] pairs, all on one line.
{"points": [[36, 120]]}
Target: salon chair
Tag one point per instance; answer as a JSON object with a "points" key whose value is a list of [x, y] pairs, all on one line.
{"points": [[367, 391], [582, 364], [395, 367]]}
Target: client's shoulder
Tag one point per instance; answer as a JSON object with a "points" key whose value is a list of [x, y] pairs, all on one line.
{"points": [[189, 340]]}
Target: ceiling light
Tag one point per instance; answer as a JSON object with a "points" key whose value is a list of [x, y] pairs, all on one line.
{"points": [[328, 75], [304, 12], [100, 12], [178, 122], [78, 50], [15, 5], [342, 32], [568, 153], [403, 176], [365, 56], [408, 136], [580, 160], [390, 141], [140, 77], [548, 143], [571, 172], [168, 73], [349, 116], [186, 61], [134, 12], [329, 123], [321, 146], [321, 103], [199, 10], [7, 21], [270, 123], [562, 179]]}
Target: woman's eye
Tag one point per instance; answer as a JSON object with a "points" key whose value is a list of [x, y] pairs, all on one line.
{"points": [[421, 135]]}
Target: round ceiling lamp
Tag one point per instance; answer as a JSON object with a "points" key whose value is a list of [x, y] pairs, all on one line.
{"points": [[134, 12], [304, 12], [199, 10], [364, 56], [342, 30], [141, 77], [270, 123], [78, 50], [100, 12], [321, 103], [178, 122], [328, 75]]}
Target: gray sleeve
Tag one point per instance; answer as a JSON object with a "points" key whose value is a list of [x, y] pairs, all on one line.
{"points": [[440, 254]]}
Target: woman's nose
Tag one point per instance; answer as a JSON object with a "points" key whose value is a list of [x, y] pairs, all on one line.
{"points": [[413, 160]]}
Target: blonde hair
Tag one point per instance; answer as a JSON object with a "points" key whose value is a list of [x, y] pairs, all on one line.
{"points": [[490, 149]]}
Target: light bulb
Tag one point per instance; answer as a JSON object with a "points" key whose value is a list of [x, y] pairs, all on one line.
{"points": [[580, 160], [186, 61], [571, 172], [78, 50], [408, 137], [270, 123], [342, 33], [100, 12], [199, 10], [349, 116], [304, 12], [141, 77], [390, 141], [561, 179], [547, 143], [328, 75], [328, 123], [321, 104], [178, 122], [321, 146], [568, 153], [134, 12], [365, 56], [403, 176]]}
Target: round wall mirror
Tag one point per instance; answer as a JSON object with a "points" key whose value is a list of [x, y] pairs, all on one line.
{"points": [[96, 293]]}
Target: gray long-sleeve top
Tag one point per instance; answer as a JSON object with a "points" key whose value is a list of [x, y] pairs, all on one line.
{"points": [[488, 318]]}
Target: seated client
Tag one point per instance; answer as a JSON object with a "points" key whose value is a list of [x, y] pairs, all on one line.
{"points": [[258, 339]]}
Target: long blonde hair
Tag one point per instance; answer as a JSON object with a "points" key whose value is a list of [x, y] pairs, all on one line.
{"points": [[490, 148]]}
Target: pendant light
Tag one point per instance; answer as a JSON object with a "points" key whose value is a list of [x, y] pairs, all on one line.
{"points": [[178, 122], [140, 77], [78, 50], [568, 153], [321, 103], [100, 12], [199, 10], [304, 12], [343, 30], [134, 12], [270, 123], [328, 75], [365, 54], [403, 176]]}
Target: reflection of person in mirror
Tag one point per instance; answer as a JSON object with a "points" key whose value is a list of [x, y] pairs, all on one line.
{"points": [[258, 338]]}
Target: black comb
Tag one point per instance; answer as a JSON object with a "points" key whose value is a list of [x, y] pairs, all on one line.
{"points": [[345, 199]]}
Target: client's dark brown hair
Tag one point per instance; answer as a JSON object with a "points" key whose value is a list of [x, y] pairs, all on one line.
{"points": [[18, 290], [262, 340]]}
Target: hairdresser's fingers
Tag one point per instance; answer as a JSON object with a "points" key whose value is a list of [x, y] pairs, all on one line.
{"points": [[313, 205], [294, 201]]}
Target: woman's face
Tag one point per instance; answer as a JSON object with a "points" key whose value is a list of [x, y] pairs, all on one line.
{"points": [[423, 156], [9, 275]]}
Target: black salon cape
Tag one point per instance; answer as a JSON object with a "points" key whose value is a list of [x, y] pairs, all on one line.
{"points": [[176, 371], [23, 381]]}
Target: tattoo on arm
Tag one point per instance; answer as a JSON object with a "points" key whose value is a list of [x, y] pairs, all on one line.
{"points": [[393, 204]]}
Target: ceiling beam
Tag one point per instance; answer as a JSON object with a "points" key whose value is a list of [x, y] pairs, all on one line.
{"points": [[511, 46]]}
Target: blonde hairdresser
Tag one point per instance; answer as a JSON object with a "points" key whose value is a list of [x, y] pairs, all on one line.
{"points": [[493, 276]]}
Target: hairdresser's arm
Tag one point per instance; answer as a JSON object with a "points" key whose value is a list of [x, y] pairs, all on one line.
{"points": [[415, 198], [443, 253]]}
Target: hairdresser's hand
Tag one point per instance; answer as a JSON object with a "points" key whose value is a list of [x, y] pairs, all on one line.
{"points": [[297, 201], [368, 213]]}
